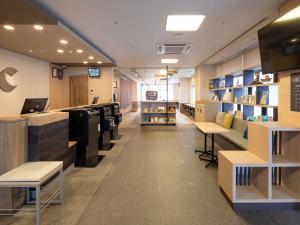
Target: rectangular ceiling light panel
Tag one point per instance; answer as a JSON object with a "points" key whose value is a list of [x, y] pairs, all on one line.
{"points": [[184, 22], [169, 61]]}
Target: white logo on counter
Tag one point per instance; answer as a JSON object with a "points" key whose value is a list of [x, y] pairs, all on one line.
{"points": [[4, 85]]}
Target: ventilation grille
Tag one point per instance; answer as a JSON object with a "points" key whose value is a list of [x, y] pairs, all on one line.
{"points": [[173, 48]]}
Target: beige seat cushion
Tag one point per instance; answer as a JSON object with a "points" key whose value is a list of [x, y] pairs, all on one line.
{"points": [[220, 118]]}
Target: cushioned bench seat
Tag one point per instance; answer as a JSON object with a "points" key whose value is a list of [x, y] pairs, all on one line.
{"points": [[236, 134], [236, 138]]}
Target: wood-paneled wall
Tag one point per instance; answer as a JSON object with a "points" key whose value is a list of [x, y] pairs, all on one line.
{"points": [[78, 86], [59, 92], [13, 153]]}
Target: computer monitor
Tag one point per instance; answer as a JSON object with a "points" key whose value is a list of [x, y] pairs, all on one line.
{"points": [[95, 100], [32, 105]]}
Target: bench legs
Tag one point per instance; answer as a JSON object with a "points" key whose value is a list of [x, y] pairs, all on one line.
{"points": [[37, 204]]}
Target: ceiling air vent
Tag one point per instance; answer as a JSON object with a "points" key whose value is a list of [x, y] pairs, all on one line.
{"points": [[173, 48]]}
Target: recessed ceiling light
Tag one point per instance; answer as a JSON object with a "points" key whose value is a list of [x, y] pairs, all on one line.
{"points": [[64, 42], [169, 61], [294, 40], [60, 51], [8, 27], [99, 62], [38, 27], [79, 51], [91, 57], [30, 50], [184, 22], [85, 62], [293, 14]]}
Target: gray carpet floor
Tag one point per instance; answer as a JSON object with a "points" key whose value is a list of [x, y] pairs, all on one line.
{"points": [[151, 177]]}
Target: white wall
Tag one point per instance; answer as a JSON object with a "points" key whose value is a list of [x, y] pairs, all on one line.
{"points": [[202, 76], [32, 79], [184, 90]]}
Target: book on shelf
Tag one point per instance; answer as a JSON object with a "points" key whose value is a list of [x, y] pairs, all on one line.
{"points": [[264, 98], [171, 109], [161, 109], [227, 97], [172, 119]]}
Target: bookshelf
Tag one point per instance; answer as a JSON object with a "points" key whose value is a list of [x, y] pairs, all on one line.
{"points": [[237, 92], [269, 171], [158, 112]]}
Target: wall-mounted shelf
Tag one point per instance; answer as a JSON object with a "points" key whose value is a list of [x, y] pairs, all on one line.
{"points": [[239, 88], [239, 103], [269, 171]]}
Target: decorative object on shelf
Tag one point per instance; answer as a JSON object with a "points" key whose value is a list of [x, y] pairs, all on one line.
{"points": [[267, 78], [238, 83], [115, 84], [257, 79], [227, 97], [222, 84], [54, 72], [264, 98], [172, 109], [215, 98], [238, 114], [235, 100], [145, 110], [211, 85]]}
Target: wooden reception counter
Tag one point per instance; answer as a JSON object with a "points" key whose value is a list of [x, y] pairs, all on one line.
{"points": [[31, 137]]}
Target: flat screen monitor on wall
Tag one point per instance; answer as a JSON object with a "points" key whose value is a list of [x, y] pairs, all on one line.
{"points": [[279, 44], [32, 105], [94, 72]]}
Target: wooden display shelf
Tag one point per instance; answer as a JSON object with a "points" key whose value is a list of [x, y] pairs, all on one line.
{"points": [[249, 194], [282, 160], [257, 175], [243, 158], [283, 194]]}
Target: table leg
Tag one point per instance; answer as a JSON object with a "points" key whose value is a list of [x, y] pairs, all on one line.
{"points": [[37, 204], [205, 151], [61, 186], [213, 159]]}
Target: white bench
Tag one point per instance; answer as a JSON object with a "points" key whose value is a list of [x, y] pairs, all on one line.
{"points": [[33, 175]]}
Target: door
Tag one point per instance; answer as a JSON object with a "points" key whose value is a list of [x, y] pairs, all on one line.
{"points": [[78, 90]]}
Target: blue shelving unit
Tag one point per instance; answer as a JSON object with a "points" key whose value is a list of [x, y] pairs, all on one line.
{"points": [[246, 77]]}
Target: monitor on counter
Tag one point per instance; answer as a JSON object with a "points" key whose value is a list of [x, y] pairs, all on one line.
{"points": [[95, 100], [94, 72], [32, 105]]}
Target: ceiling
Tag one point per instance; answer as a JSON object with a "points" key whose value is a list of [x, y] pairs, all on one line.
{"points": [[129, 30], [43, 44], [148, 75]]}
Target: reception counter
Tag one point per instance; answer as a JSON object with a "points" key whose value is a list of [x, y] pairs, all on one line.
{"points": [[32, 137]]}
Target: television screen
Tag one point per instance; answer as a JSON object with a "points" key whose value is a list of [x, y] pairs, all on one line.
{"points": [[279, 44], [94, 72]]}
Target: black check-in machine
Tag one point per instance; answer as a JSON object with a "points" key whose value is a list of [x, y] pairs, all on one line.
{"points": [[117, 117], [106, 125], [84, 129]]}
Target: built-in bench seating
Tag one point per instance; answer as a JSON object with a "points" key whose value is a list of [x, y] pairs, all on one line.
{"points": [[237, 130]]}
